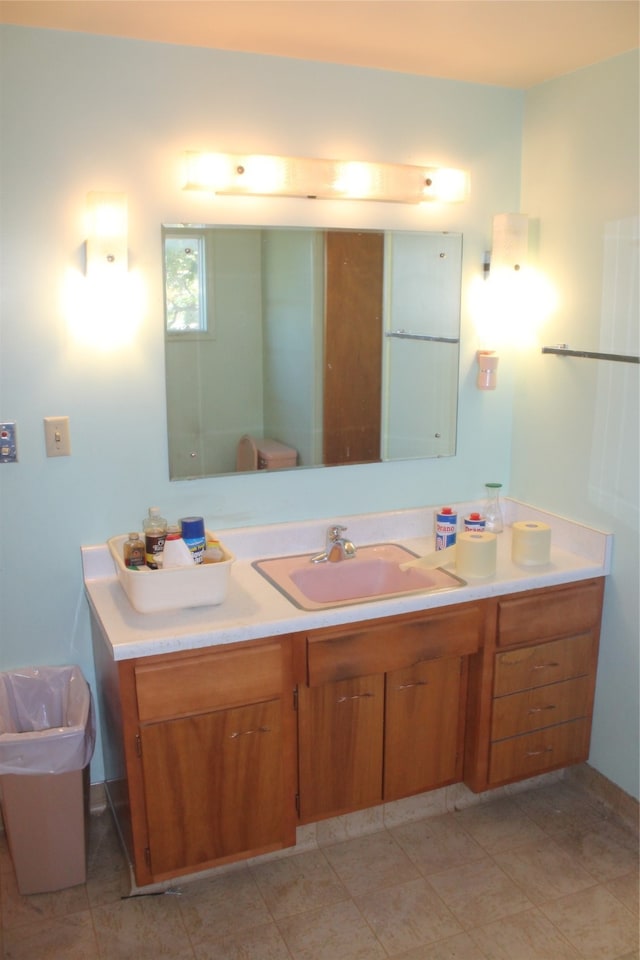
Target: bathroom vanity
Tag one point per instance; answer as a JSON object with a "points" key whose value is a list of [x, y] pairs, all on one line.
{"points": [[225, 728]]}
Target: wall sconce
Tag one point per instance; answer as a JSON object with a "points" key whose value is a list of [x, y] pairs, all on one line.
{"points": [[255, 175], [501, 299], [509, 243], [487, 369], [107, 228]]}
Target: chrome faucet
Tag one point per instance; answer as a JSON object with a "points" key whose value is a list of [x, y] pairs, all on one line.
{"points": [[337, 548]]}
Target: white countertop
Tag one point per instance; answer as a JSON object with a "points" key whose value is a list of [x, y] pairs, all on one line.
{"points": [[253, 608]]}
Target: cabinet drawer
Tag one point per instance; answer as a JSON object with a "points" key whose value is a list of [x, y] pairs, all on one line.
{"points": [[541, 707], [373, 650], [534, 753], [544, 663], [549, 613], [209, 682]]}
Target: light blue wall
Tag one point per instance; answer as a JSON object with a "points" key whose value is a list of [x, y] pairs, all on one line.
{"points": [[83, 113], [575, 439]]}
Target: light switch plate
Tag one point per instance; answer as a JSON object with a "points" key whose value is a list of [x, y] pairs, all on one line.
{"points": [[8, 444], [56, 436]]}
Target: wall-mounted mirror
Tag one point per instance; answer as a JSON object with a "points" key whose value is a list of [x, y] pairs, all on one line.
{"points": [[295, 347]]}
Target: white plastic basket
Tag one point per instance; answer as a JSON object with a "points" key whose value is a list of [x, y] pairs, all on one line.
{"points": [[153, 591]]}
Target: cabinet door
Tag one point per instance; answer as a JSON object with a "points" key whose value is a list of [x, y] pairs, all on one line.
{"points": [[424, 726], [214, 785], [340, 742]]}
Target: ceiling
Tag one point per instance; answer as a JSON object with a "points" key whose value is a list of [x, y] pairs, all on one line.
{"points": [[511, 43]]}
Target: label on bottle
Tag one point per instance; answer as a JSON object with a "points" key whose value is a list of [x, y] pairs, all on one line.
{"points": [[446, 525], [154, 548], [474, 522], [196, 547], [134, 554]]}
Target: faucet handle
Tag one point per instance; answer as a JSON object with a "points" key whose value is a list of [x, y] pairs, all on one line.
{"points": [[334, 532]]}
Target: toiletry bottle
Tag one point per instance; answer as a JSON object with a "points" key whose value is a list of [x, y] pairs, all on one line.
{"points": [[492, 509], [475, 521], [194, 536], [446, 526], [155, 531], [176, 553], [133, 552]]}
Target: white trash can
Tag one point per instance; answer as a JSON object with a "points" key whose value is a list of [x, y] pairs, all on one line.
{"points": [[47, 737]]}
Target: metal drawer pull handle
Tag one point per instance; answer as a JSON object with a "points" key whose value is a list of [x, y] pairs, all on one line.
{"points": [[416, 683], [543, 666], [245, 733], [355, 696], [537, 753], [549, 706]]}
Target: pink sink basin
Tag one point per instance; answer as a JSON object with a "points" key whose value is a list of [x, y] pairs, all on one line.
{"points": [[372, 574]]}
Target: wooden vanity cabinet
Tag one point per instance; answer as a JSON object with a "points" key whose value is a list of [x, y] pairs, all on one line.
{"points": [[532, 686], [210, 751], [382, 713]]}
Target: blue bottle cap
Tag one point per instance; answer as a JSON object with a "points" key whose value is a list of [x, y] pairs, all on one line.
{"points": [[192, 528]]}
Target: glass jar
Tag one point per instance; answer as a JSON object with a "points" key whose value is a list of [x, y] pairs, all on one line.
{"points": [[492, 509]]}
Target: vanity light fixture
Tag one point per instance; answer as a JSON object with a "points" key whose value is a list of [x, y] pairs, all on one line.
{"points": [[261, 175], [107, 229]]}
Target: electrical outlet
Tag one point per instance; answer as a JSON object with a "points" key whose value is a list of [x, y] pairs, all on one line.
{"points": [[8, 445], [56, 436]]}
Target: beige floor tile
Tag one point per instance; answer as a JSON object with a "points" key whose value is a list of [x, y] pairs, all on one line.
{"points": [[437, 844], [108, 877], [459, 857], [334, 932], [524, 936], [409, 809], [367, 863], [479, 893], [407, 915], [558, 807], [18, 910], [498, 826], [460, 947], [606, 851], [544, 870], [627, 890], [71, 937], [219, 907], [350, 825], [298, 883], [108, 887], [144, 928], [596, 923], [258, 943]]}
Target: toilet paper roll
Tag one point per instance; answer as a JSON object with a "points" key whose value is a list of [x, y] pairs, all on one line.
{"points": [[530, 542], [476, 553]]}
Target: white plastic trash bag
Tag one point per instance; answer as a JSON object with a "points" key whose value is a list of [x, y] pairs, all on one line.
{"points": [[46, 720]]}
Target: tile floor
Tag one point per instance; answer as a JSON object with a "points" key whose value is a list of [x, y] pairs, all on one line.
{"points": [[546, 874]]}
